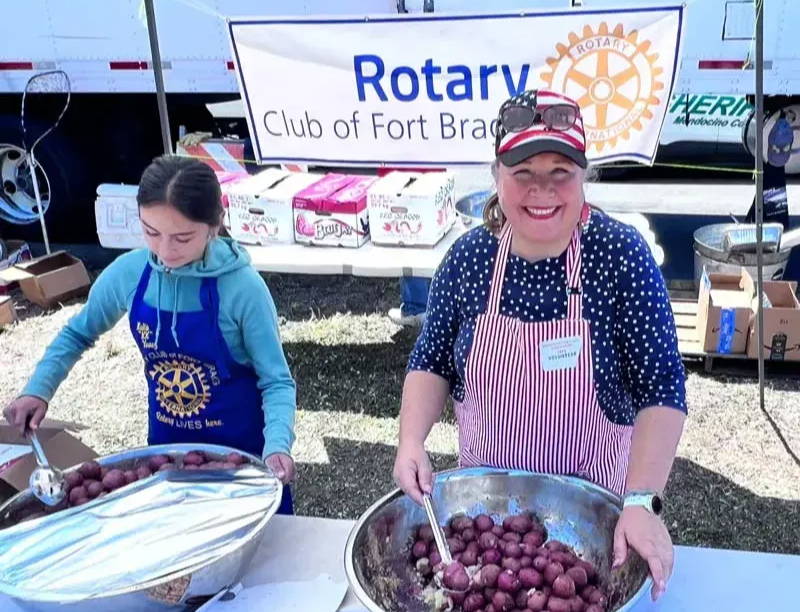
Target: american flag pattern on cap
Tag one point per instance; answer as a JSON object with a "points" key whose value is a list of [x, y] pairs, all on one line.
{"points": [[514, 147]]}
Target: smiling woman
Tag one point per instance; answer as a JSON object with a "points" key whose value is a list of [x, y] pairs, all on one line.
{"points": [[551, 329]]}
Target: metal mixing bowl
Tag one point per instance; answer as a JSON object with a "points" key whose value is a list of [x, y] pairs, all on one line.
{"points": [[193, 587], [574, 511]]}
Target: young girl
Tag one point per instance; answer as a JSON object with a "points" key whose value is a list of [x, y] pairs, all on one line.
{"points": [[203, 320]]}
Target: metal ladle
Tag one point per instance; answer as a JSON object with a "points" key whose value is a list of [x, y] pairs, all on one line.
{"points": [[440, 539], [46, 482]]}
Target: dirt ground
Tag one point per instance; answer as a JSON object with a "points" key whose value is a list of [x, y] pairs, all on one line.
{"points": [[736, 481]]}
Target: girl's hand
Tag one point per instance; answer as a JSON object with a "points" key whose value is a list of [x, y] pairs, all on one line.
{"points": [[26, 412], [283, 466]]}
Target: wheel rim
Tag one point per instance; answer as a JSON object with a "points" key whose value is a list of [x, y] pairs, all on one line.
{"points": [[17, 197]]}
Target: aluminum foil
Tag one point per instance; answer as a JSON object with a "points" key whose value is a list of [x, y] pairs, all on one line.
{"points": [[143, 534]]}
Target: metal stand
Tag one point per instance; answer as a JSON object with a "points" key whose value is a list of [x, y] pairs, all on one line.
{"points": [[161, 96]]}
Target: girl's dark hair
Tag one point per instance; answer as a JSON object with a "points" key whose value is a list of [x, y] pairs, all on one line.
{"points": [[188, 185]]}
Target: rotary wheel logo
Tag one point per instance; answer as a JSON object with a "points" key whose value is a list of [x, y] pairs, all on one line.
{"points": [[181, 387], [612, 77]]}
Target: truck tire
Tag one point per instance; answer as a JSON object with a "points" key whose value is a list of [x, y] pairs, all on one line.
{"points": [[63, 181]]}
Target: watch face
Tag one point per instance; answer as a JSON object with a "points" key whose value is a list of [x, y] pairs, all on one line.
{"points": [[658, 506]]}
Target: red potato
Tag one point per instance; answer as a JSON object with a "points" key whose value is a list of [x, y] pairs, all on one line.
{"points": [[498, 531], [419, 550], [156, 461], [558, 604], [578, 575], [81, 501], [487, 575], [492, 555], [77, 493], [456, 545], [455, 577], [535, 538], [525, 561], [73, 479], [503, 601], [490, 607], [577, 604], [537, 601], [236, 458], [473, 546], [528, 549], [90, 469], [460, 523], [510, 563], [488, 594], [513, 550], [488, 540], [520, 524], [93, 488], [167, 466], [435, 558], [473, 602], [130, 476], [510, 536], [425, 533], [540, 563], [457, 597], [483, 522], [507, 581], [194, 458], [469, 535], [143, 472], [103, 471], [553, 571], [521, 599], [529, 578], [469, 558], [594, 608], [564, 558], [591, 572], [564, 587], [114, 479]]}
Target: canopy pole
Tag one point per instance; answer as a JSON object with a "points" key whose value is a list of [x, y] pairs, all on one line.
{"points": [[759, 157], [161, 96]]}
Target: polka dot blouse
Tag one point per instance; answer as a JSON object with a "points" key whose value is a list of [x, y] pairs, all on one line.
{"points": [[634, 343]]}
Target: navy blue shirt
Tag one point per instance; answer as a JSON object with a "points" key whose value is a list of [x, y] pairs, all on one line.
{"points": [[634, 343]]}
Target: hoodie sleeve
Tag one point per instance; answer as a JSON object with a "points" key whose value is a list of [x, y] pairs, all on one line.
{"points": [[105, 306], [258, 321]]}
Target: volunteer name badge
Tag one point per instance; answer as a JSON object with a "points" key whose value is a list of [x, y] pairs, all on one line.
{"points": [[560, 354]]}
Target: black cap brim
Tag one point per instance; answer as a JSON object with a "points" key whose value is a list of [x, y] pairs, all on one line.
{"points": [[519, 154]]}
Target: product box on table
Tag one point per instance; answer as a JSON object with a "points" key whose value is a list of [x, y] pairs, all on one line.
{"points": [[781, 323], [411, 209], [117, 216], [227, 180], [333, 211], [261, 206], [724, 310]]}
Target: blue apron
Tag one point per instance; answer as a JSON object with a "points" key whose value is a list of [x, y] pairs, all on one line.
{"points": [[197, 392]]}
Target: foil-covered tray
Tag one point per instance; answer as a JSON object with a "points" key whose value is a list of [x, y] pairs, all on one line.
{"points": [[164, 542]]}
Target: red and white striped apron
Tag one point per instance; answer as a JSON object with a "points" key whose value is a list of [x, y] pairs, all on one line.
{"points": [[517, 415]]}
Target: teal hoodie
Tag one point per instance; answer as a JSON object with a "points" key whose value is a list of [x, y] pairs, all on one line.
{"points": [[247, 318]]}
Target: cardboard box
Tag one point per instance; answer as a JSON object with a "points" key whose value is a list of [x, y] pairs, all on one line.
{"points": [[7, 312], [781, 323], [116, 215], [17, 252], [411, 209], [227, 181], [724, 310], [333, 211], [261, 206], [17, 461], [50, 279]]}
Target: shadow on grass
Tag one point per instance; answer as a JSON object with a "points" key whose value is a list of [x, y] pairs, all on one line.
{"points": [[704, 508]]}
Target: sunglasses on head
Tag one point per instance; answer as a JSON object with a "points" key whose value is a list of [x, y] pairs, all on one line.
{"points": [[560, 117]]}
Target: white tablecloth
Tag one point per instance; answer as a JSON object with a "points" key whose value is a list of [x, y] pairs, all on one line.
{"points": [[300, 549]]}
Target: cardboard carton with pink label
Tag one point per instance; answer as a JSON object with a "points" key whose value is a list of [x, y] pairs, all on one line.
{"points": [[260, 207], [333, 211], [411, 208]]}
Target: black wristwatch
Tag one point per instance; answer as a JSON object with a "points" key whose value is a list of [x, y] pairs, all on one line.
{"points": [[649, 500]]}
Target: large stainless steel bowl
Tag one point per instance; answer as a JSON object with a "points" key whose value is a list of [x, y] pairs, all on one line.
{"points": [[190, 588], [574, 511]]}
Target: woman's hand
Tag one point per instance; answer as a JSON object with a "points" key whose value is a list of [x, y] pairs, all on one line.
{"points": [[412, 470], [283, 466], [25, 412], [648, 536]]}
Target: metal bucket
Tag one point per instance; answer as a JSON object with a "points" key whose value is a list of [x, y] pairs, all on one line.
{"points": [[190, 587], [710, 253]]}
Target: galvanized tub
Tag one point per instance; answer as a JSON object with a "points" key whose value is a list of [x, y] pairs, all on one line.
{"points": [[574, 511], [186, 581], [709, 252]]}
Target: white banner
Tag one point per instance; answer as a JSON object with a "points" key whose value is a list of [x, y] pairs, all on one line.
{"points": [[425, 90]]}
